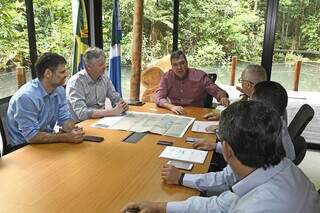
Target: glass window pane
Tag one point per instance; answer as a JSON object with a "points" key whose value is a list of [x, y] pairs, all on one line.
{"points": [[212, 31], [297, 38], [53, 22], [14, 48]]}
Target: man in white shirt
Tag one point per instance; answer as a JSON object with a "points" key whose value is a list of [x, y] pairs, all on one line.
{"points": [[268, 182]]}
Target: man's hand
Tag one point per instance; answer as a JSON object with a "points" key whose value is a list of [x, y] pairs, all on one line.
{"points": [[170, 174], [204, 145], [75, 136], [120, 108], [212, 116], [224, 101], [144, 207], [178, 110], [68, 126]]}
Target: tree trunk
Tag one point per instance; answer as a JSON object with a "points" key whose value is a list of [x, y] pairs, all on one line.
{"points": [[136, 50]]}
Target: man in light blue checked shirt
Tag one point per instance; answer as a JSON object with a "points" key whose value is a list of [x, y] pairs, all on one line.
{"points": [[40, 104], [88, 90], [268, 181]]}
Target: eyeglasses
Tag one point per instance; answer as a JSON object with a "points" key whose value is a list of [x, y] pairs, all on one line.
{"points": [[240, 80]]}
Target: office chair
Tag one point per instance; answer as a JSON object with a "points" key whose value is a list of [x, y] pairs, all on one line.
{"points": [[3, 132], [300, 148], [295, 129], [209, 98]]}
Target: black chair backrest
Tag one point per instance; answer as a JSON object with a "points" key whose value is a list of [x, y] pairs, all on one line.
{"points": [[3, 130], [209, 98], [300, 121], [300, 148]]}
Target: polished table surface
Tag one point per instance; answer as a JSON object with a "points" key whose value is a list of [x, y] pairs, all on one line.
{"points": [[92, 177]]}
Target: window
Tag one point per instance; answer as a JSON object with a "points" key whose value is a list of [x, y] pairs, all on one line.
{"points": [[14, 48], [53, 23], [211, 32], [297, 38]]}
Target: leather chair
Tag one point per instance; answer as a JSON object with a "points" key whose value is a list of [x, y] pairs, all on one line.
{"points": [[296, 127], [3, 114], [209, 98]]}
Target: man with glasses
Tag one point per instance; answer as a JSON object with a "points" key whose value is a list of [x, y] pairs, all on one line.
{"points": [[88, 90], [250, 76], [184, 86], [40, 104], [267, 181]]}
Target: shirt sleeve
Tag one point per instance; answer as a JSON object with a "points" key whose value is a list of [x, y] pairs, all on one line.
{"points": [[63, 112], [77, 100], [112, 93], [212, 181], [26, 115], [161, 95], [203, 204], [213, 89]]}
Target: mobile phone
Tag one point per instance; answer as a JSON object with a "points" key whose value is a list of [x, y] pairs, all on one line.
{"points": [[180, 164], [134, 137], [136, 103], [93, 138], [191, 140], [133, 210], [165, 143]]}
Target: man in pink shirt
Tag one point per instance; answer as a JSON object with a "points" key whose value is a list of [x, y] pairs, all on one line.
{"points": [[184, 86]]}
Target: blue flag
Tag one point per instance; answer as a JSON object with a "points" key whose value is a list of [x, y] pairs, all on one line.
{"points": [[115, 50]]}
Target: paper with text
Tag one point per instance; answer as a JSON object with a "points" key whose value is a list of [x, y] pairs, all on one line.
{"points": [[184, 154]]}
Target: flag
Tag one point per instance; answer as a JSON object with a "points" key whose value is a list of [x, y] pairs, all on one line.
{"points": [[115, 50], [80, 32]]}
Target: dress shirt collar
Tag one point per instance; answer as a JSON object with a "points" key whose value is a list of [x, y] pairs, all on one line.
{"points": [[258, 177], [43, 91], [184, 77], [90, 80]]}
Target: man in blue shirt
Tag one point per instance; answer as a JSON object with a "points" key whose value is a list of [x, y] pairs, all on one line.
{"points": [[268, 182], [40, 104]]}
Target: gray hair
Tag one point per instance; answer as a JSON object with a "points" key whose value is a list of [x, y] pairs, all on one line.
{"points": [[92, 53], [255, 73]]}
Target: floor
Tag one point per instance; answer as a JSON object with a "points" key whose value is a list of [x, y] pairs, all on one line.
{"points": [[311, 163]]}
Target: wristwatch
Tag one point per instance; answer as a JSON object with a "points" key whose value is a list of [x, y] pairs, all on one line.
{"points": [[181, 178]]}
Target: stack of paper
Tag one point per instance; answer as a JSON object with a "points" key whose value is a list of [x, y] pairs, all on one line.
{"points": [[183, 154]]}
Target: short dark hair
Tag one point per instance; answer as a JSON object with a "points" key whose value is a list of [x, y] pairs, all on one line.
{"points": [[253, 131], [177, 54], [48, 60], [273, 94]]}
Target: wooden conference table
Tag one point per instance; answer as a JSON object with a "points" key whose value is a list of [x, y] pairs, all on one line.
{"points": [[92, 177]]}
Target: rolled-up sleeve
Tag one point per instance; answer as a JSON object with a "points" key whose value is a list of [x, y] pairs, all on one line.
{"points": [[26, 115], [77, 102], [213, 181], [161, 95], [63, 111], [203, 204], [213, 89]]}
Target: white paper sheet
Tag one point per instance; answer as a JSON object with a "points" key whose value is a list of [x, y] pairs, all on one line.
{"points": [[201, 126], [183, 154], [106, 122]]}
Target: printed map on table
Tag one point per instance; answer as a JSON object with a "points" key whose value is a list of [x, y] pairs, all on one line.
{"points": [[163, 124]]}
